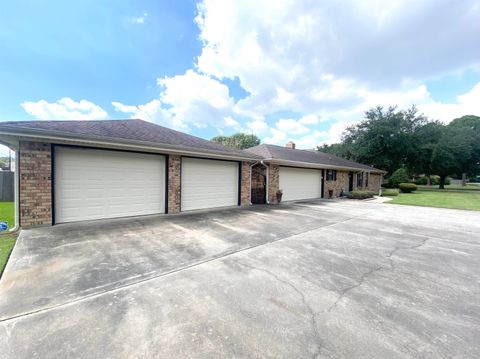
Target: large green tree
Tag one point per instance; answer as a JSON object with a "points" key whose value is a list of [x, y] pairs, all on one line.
{"points": [[452, 153], [384, 139], [472, 125], [239, 140]]}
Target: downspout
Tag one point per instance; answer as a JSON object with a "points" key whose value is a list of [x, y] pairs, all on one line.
{"points": [[17, 192], [16, 195], [267, 181]]}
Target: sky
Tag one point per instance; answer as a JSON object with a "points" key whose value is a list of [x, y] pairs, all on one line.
{"points": [[298, 70]]}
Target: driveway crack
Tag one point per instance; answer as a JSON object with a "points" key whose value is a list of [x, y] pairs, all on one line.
{"points": [[311, 312], [367, 274]]}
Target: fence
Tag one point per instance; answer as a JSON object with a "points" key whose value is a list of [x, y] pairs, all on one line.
{"points": [[7, 186]]}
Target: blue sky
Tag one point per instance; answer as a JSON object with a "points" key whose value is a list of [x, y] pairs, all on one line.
{"points": [[283, 70]]}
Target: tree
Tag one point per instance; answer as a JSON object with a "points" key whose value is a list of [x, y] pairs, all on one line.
{"points": [[452, 153], [239, 140], [383, 139], [425, 140], [397, 177], [472, 124]]}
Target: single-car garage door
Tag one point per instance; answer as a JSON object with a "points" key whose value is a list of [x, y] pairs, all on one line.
{"points": [[208, 183], [300, 183], [95, 184]]}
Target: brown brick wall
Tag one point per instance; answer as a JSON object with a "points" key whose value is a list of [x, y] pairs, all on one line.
{"points": [[273, 173], [35, 183], [174, 193], [245, 184], [374, 182], [336, 186]]}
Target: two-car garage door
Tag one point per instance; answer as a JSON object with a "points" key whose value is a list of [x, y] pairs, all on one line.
{"points": [[300, 183], [94, 184]]}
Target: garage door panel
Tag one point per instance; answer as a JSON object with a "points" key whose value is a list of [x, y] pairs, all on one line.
{"points": [[300, 183], [208, 184], [94, 184]]}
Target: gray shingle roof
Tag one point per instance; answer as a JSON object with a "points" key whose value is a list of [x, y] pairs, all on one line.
{"points": [[315, 157], [131, 130]]}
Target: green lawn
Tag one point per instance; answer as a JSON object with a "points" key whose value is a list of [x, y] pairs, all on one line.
{"points": [[453, 187], [444, 199], [7, 213], [6, 246]]}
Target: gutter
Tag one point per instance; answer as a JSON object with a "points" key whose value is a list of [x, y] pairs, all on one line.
{"points": [[319, 165], [111, 141]]}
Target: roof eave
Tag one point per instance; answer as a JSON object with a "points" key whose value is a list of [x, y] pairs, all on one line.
{"points": [[319, 165], [42, 134]]}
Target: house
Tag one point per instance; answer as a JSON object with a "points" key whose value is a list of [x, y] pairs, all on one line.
{"points": [[83, 170], [307, 174]]}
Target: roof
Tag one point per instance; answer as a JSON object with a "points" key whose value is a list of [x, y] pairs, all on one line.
{"points": [[121, 131], [279, 153]]}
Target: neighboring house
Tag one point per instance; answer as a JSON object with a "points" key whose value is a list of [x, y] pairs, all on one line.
{"points": [[83, 170], [306, 174]]}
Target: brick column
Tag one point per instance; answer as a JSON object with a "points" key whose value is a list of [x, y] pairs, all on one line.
{"points": [[174, 193], [245, 190], [273, 174], [35, 183]]}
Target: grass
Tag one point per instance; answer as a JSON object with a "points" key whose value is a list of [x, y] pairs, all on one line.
{"points": [[453, 187], [439, 198], [7, 213], [6, 246]]}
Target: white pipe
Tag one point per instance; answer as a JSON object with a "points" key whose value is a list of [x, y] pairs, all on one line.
{"points": [[17, 192], [266, 181]]}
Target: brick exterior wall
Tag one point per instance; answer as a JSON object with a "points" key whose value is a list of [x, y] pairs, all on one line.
{"points": [[375, 182], [174, 176], [336, 186], [273, 174], [245, 184], [35, 169]]}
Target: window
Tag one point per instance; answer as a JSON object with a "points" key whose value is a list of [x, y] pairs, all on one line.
{"points": [[331, 175], [359, 179]]}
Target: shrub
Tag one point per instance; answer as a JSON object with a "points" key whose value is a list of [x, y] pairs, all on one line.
{"points": [[434, 180], [397, 177], [390, 192], [360, 194], [407, 187], [421, 181]]}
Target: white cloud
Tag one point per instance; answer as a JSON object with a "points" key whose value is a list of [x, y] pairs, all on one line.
{"points": [[466, 104], [291, 126], [139, 19], [65, 109], [333, 61], [323, 61], [191, 99]]}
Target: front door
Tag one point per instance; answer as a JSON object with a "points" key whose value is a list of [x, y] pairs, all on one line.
{"points": [[259, 184], [350, 181]]}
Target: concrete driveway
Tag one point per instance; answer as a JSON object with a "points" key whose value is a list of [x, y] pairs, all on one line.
{"points": [[318, 279]]}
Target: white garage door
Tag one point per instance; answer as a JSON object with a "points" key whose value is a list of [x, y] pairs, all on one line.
{"points": [[94, 184], [208, 183], [300, 183]]}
